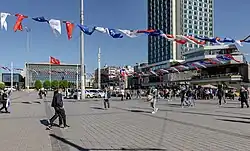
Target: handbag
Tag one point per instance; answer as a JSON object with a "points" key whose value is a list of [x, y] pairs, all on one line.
{"points": [[149, 98]]}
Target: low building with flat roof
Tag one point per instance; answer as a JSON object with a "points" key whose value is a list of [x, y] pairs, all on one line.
{"points": [[47, 71]]}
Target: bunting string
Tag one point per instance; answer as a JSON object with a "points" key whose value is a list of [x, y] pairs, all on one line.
{"points": [[56, 27]]}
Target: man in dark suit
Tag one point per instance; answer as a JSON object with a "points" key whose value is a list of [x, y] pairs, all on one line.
{"points": [[57, 103]]}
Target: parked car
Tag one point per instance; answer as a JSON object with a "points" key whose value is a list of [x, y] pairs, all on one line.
{"points": [[88, 94], [101, 94], [94, 92]]}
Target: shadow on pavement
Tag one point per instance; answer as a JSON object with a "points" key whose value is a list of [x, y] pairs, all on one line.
{"points": [[140, 111], [234, 121], [97, 108], [85, 149], [230, 107], [26, 103], [38, 102], [45, 122]]}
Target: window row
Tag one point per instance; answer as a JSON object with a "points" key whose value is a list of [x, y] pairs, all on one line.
{"points": [[197, 32], [196, 13], [187, 22], [202, 18]]}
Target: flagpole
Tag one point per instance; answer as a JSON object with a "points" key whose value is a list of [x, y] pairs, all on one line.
{"points": [[11, 82], [99, 68], [50, 72], [27, 76], [82, 54], [77, 83]]}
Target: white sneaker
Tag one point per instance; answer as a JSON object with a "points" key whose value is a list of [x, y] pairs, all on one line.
{"points": [[153, 112], [156, 109]]}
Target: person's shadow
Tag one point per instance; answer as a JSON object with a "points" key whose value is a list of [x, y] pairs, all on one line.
{"points": [[45, 122]]}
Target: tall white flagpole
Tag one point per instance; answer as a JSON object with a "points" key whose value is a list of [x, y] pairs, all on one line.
{"points": [[77, 82], [50, 72], [99, 68], [82, 54], [11, 81]]}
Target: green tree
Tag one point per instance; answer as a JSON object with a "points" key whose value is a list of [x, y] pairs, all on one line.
{"points": [[2, 85], [54, 84], [46, 84], [63, 84], [38, 84], [71, 85]]}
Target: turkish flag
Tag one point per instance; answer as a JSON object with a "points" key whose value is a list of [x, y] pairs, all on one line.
{"points": [[54, 61]]}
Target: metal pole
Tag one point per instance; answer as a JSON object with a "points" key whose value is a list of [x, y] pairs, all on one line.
{"points": [[99, 68], [28, 49], [82, 54], [50, 74], [77, 82], [11, 82], [27, 76]]}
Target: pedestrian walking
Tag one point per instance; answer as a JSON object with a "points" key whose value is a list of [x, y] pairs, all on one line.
{"points": [[138, 94], [106, 99], [153, 101], [243, 97], [220, 94], [57, 103], [123, 94], [5, 101]]}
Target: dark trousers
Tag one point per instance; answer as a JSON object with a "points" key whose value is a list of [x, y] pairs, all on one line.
{"points": [[122, 97], [106, 103], [128, 97], [220, 98], [59, 112], [4, 106], [242, 103]]}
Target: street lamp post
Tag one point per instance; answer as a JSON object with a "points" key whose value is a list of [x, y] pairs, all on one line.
{"points": [[82, 54], [99, 68], [28, 30]]}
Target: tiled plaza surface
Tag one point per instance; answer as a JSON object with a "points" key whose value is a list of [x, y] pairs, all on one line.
{"points": [[127, 125]]}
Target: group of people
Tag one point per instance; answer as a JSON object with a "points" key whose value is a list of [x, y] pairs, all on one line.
{"points": [[187, 95]]}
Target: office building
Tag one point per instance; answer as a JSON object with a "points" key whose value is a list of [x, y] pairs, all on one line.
{"points": [[177, 17], [18, 80], [46, 71]]}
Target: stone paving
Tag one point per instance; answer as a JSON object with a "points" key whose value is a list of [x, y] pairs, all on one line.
{"points": [[127, 125]]}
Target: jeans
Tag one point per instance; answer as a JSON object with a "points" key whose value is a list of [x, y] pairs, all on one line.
{"points": [[106, 102], [153, 104]]}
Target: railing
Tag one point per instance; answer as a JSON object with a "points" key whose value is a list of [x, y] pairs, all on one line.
{"points": [[227, 75]]}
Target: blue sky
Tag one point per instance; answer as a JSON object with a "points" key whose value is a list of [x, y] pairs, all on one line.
{"points": [[230, 21]]}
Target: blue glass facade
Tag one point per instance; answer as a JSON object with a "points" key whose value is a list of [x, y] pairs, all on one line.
{"points": [[159, 12], [192, 17]]}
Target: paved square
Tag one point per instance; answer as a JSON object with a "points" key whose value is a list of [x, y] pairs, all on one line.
{"points": [[127, 125]]}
